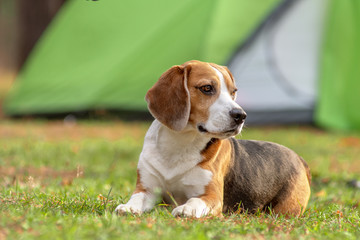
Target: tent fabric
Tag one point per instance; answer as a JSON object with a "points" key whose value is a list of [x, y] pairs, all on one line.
{"points": [[276, 72], [107, 54], [339, 96]]}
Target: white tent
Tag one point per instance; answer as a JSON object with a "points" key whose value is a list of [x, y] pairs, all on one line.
{"points": [[276, 68]]}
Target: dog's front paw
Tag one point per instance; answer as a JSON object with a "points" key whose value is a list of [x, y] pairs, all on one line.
{"points": [[123, 209], [194, 207]]}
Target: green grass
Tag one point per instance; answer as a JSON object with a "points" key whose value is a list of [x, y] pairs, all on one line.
{"points": [[63, 182]]}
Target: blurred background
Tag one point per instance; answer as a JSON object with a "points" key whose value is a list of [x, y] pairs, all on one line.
{"points": [[294, 61]]}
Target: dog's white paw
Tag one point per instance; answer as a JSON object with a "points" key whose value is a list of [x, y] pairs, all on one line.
{"points": [[138, 203], [126, 209], [194, 207]]}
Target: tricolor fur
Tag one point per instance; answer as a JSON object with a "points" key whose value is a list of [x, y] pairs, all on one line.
{"points": [[191, 158]]}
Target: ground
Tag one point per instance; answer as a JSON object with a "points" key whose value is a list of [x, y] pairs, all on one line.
{"points": [[64, 179]]}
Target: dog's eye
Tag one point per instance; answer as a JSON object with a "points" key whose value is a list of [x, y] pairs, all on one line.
{"points": [[207, 89], [233, 94]]}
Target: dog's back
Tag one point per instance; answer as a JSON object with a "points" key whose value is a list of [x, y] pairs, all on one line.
{"points": [[264, 175]]}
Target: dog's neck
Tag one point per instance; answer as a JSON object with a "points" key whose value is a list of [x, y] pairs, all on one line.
{"points": [[210, 143], [178, 143]]}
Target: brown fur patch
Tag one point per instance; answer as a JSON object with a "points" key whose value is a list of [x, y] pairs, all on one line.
{"points": [[216, 158], [307, 169], [139, 187], [168, 100], [201, 74], [228, 77], [294, 203]]}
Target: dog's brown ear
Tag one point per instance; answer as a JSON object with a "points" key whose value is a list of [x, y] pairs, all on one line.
{"points": [[169, 99]]}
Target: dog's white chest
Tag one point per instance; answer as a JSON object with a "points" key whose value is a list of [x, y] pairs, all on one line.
{"points": [[169, 162], [184, 186]]}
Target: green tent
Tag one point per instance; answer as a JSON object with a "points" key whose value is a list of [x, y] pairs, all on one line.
{"points": [[339, 98], [106, 54]]}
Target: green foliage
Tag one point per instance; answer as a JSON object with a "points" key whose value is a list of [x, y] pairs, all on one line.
{"points": [[68, 187]]}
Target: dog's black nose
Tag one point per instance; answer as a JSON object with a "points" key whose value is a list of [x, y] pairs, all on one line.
{"points": [[238, 115]]}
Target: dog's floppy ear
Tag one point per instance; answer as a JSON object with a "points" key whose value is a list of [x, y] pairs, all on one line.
{"points": [[169, 99]]}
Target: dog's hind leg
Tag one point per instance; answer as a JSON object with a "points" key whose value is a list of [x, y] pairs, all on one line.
{"points": [[297, 196]]}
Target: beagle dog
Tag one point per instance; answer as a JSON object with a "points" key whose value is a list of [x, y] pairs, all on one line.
{"points": [[192, 160]]}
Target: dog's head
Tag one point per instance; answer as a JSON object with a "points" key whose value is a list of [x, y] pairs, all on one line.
{"points": [[198, 95]]}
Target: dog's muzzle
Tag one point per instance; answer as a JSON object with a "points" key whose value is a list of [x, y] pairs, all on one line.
{"points": [[237, 115]]}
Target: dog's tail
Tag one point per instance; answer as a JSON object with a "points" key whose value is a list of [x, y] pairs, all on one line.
{"points": [[308, 174]]}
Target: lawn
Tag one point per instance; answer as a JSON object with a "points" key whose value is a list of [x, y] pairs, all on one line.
{"points": [[63, 181]]}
